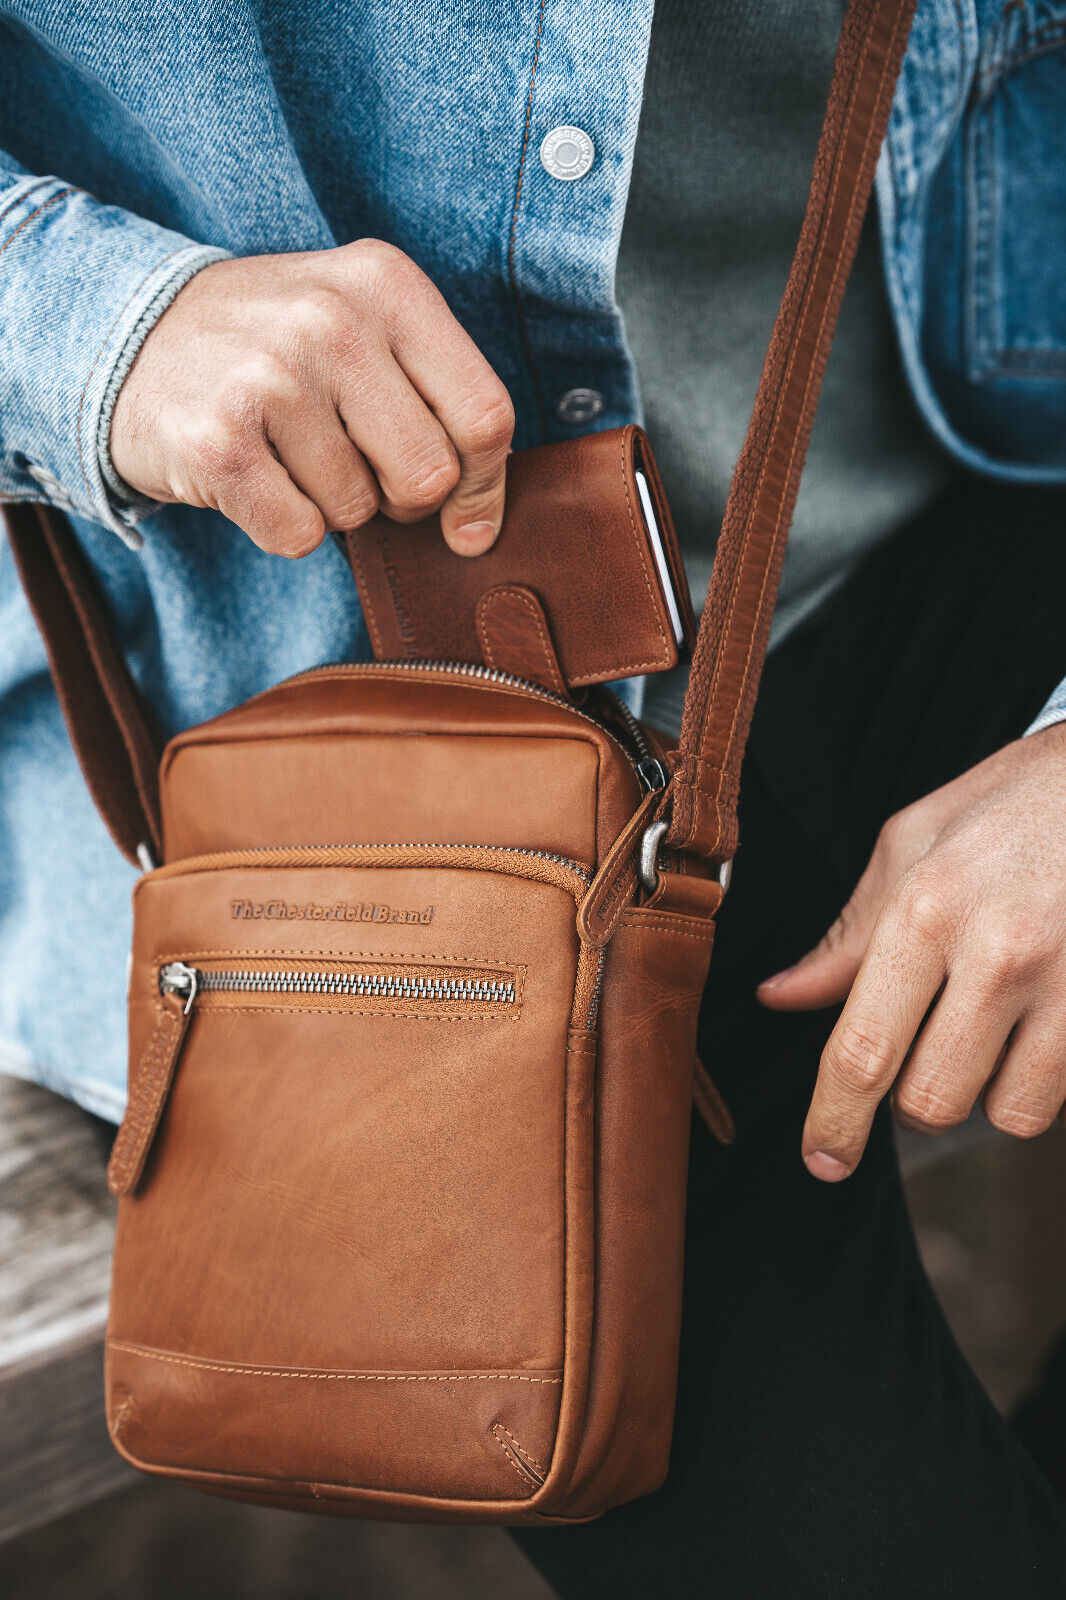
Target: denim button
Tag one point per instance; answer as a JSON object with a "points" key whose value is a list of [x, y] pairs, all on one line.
{"points": [[579, 405], [567, 153]]}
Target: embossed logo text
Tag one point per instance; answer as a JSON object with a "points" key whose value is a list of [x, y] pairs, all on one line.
{"points": [[338, 911]]}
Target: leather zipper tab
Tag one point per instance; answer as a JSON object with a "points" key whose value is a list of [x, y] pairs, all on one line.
{"points": [[149, 1087], [615, 885]]}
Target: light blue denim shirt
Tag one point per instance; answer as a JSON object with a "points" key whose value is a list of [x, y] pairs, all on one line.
{"points": [[140, 142]]}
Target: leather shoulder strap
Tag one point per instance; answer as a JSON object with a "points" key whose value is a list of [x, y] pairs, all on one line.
{"points": [[733, 635], [114, 739]]}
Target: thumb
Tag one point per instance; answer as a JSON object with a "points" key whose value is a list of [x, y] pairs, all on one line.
{"points": [[826, 973], [471, 516]]}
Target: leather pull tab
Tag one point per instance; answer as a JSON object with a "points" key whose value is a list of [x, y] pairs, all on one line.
{"points": [[149, 1088], [514, 636], [710, 1105], [615, 884]]}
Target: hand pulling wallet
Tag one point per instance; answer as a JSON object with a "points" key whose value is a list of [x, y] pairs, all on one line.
{"points": [[415, 982], [570, 592]]}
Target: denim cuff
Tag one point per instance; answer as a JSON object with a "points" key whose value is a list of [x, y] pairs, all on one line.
{"points": [[127, 505], [1054, 711], [81, 286]]}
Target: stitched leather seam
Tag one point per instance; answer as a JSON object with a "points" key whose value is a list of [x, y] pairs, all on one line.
{"points": [[117, 701], [483, 640], [236, 1369], [498, 1427], [665, 921], [484, 733], [338, 955], [581, 1042], [241, 860], [549, 658], [147, 1098], [120, 1417], [362, 587], [517, 1457], [827, 309], [526, 1477]]}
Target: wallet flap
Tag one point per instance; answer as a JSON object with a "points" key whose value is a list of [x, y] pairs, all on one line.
{"points": [[573, 539]]}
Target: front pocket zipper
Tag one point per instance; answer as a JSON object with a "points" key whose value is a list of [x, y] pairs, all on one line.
{"points": [[419, 988], [426, 986], [387, 982], [539, 866]]}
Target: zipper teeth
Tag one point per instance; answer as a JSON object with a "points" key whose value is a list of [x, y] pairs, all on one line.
{"points": [[506, 680], [493, 849], [594, 1003], [375, 985]]}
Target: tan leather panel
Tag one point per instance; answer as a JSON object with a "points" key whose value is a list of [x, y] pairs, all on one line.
{"points": [[442, 1435], [656, 968], [327, 1151], [476, 763], [344, 790]]}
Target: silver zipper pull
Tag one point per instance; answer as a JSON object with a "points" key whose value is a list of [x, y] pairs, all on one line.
{"points": [[177, 978], [652, 774]]}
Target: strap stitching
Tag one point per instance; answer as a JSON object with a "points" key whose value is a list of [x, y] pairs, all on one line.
{"points": [[235, 1368], [700, 799], [826, 312]]}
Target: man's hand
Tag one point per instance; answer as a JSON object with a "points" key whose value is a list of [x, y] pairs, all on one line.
{"points": [[953, 947], [301, 393]]}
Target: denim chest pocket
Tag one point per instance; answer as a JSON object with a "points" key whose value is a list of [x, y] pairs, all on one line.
{"points": [[1015, 160]]}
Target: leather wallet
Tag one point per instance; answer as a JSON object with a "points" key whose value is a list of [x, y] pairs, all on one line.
{"points": [[570, 593]]}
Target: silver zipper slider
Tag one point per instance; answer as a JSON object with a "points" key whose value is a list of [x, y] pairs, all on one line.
{"points": [[652, 774], [177, 978]]}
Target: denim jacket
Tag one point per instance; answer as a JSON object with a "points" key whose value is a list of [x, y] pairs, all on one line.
{"points": [[140, 142]]}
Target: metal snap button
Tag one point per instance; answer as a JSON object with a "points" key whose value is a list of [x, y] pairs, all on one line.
{"points": [[578, 405], [567, 153]]}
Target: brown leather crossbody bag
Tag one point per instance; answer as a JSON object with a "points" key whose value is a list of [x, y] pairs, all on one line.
{"points": [[413, 1006]]}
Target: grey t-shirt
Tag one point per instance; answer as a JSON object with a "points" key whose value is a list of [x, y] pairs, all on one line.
{"points": [[734, 98]]}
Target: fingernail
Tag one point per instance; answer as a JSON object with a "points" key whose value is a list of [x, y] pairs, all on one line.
{"points": [[778, 977], [827, 1168], [473, 537]]}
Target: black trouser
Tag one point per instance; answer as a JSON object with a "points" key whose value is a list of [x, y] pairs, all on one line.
{"points": [[830, 1438]]}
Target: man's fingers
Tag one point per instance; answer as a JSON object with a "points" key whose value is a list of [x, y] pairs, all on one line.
{"points": [[471, 516], [388, 421], [474, 408], [900, 975], [826, 973], [1027, 1093], [955, 1054], [252, 488], [318, 455]]}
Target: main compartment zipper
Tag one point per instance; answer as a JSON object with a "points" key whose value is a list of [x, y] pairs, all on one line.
{"points": [[628, 734]]}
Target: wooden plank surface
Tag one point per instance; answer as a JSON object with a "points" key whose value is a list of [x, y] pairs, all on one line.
{"points": [[56, 1231]]}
